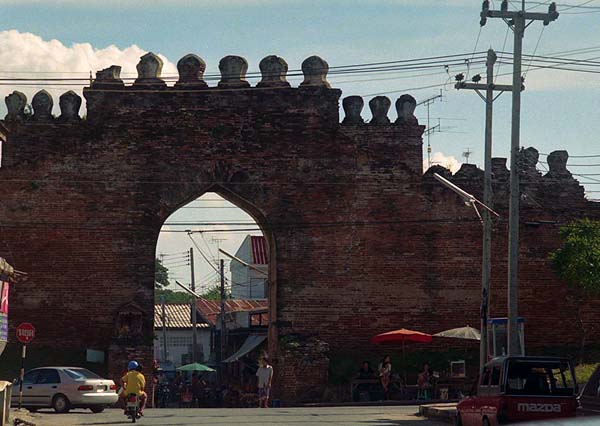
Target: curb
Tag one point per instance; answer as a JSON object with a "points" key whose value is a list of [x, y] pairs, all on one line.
{"points": [[393, 403]]}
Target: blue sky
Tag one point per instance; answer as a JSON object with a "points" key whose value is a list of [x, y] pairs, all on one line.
{"points": [[560, 109]]}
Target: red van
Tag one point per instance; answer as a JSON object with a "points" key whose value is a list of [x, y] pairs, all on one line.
{"points": [[517, 389]]}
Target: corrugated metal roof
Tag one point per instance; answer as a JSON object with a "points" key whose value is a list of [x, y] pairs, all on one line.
{"points": [[209, 309], [178, 316], [260, 255]]}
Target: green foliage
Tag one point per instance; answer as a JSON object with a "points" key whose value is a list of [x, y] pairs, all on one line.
{"points": [[583, 372], [161, 274], [577, 262], [171, 296], [214, 293]]}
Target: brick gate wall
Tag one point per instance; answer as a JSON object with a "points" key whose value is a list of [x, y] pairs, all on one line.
{"points": [[362, 242]]}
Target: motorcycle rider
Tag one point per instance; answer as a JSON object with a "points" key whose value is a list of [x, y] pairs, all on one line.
{"points": [[134, 382]]}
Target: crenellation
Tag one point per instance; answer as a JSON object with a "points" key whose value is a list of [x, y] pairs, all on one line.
{"points": [[380, 105], [528, 159], [469, 172], [233, 72], [108, 77], [440, 170], [557, 163], [16, 103], [70, 103], [191, 72], [42, 104], [274, 72], [499, 170], [405, 107], [149, 71], [353, 106], [315, 71]]}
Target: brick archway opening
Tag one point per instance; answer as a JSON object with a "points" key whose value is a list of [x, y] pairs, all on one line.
{"points": [[221, 219]]}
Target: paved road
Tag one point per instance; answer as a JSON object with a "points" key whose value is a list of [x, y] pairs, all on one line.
{"points": [[331, 416]]}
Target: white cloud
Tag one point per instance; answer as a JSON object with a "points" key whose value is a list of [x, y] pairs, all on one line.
{"points": [[440, 159], [26, 55], [146, 3]]}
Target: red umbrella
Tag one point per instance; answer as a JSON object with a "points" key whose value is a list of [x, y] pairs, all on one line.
{"points": [[402, 335]]}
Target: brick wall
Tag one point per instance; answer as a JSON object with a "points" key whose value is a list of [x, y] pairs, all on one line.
{"points": [[361, 241]]}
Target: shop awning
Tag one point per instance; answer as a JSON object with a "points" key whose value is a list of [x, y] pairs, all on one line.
{"points": [[251, 342]]}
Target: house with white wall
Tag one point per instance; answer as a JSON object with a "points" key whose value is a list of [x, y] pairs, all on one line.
{"points": [[246, 282], [179, 335]]}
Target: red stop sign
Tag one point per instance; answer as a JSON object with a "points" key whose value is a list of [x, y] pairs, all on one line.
{"points": [[25, 332]]}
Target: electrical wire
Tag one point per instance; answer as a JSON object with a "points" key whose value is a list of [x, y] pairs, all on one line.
{"points": [[537, 44]]}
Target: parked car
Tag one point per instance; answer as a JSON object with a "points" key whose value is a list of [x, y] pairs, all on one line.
{"points": [[590, 394], [63, 388], [515, 389]]}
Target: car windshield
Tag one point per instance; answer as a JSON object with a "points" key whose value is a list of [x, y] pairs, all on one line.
{"points": [[80, 374], [526, 377]]}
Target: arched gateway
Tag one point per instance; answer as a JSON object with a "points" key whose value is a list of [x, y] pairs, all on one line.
{"points": [[361, 241]]}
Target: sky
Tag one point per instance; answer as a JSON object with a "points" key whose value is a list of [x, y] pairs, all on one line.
{"points": [[50, 38]]}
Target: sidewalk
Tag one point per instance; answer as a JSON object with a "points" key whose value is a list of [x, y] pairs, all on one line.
{"points": [[23, 417], [445, 412]]}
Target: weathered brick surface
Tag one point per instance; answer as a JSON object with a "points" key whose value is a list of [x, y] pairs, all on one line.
{"points": [[361, 242]]}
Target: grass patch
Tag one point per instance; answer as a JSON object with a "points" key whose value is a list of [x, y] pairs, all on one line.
{"points": [[583, 372]]}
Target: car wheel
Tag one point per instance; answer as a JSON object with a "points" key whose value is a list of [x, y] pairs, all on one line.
{"points": [[97, 409], [60, 403], [486, 422], [458, 420]]}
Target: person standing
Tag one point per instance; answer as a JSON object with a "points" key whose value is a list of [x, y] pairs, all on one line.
{"points": [[424, 383], [264, 376], [385, 371]]}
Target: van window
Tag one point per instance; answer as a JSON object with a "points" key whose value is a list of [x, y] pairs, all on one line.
{"points": [[526, 377], [485, 377], [495, 380]]}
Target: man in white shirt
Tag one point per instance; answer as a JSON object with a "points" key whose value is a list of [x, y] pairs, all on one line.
{"points": [[264, 376]]}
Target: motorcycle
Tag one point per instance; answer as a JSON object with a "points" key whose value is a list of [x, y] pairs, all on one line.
{"points": [[163, 394], [133, 407]]}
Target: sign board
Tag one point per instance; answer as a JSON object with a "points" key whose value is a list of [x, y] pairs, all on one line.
{"points": [[25, 333], [3, 327], [3, 314], [92, 355], [4, 297]]}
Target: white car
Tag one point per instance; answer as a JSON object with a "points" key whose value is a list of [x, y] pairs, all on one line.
{"points": [[63, 388]]}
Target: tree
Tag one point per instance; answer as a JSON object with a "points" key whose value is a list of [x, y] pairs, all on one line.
{"points": [[214, 293], [577, 263], [161, 274], [171, 296], [161, 281]]}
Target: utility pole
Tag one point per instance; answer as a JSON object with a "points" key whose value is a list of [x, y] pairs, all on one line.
{"points": [[164, 328], [194, 308], [223, 330], [489, 87], [516, 20]]}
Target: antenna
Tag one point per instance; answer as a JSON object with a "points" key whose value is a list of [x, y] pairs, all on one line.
{"points": [[467, 154], [428, 102], [469, 200]]}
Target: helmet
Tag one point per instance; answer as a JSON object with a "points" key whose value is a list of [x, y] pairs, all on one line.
{"points": [[132, 365]]}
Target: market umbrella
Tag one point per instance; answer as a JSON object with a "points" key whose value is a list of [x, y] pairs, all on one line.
{"points": [[467, 333], [195, 367], [402, 335]]}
